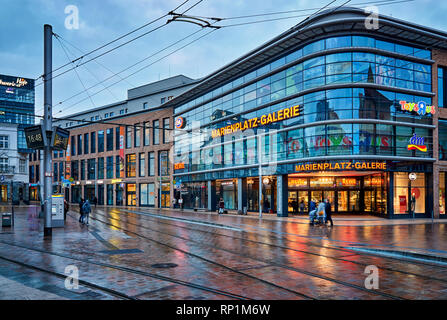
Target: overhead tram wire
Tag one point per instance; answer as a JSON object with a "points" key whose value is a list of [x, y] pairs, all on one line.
{"points": [[385, 2], [108, 51], [141, 69], [117, 39], [77, 73], [131, 66]]}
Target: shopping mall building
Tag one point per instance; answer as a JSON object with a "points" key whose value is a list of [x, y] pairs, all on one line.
{"points": [[328, 109]]}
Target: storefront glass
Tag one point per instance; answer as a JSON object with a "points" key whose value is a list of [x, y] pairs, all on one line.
{"points": [[404, 188], [227, 190], [147, 194], [194, 195], [442, 193], [110, 194], [119, 188], [253, 194]]}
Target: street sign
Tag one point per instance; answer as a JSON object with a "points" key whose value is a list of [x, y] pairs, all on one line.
{"points": [[59, 140], [412, 176], [34, 137]]}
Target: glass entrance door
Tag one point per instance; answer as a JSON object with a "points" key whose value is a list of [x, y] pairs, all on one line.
{"points": [[329, 195], [131, 193], [354, 200], [317, 196], [342, 201]]}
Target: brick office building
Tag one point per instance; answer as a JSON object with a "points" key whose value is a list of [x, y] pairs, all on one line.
{"points": [[121, 160]]}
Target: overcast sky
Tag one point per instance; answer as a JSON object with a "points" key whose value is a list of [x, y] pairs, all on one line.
{"points": [[21, 35]]}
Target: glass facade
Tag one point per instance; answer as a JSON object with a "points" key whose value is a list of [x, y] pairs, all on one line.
{"points": [[17, 105], [309, 106]]}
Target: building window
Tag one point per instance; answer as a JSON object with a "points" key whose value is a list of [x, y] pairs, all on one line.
{"points": [[155, 132], [101, 168], [96, 117], [22, 166], [92, 119], [79, 144], [146, 133], [82, 170], [128, 137], [163, 163], [86, 144], [73, 146], [112, 114], [109, 139], [131, 165], [117, 138], [4, 164], [74, 170], [55, 175], [101, 141], [61, 171], [106, 115], [117, 167], [91, 169], [163, 100], [93, 142], [442, 185], [166, 131], [136, 137], [141, 164], [442, 76], [404, 188], [442, 138], [145, 105], [122, 111], [4, 142], [109, 168], [151, 164]]}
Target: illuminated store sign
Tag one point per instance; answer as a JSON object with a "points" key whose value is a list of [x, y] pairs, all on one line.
{"points": [[273, 117], [20, 82], [180, 123], [342, 165], [420, 108], [297, 182], [179, 166], [417, 143]]}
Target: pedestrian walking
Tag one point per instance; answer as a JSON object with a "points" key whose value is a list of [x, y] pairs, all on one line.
{"points": [[328, 210], [412, 204], [81, 212], [66, 207], [86, 209], [95, 201], [180, 202], [312, 211], [302, 206]]}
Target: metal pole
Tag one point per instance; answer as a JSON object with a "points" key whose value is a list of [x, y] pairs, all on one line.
{"points": [[47, 123], [260, 175]]}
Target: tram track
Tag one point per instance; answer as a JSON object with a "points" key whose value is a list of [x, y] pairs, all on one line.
{"points": [[115, 267], [298, 270], [154, 217], [64, 276]]}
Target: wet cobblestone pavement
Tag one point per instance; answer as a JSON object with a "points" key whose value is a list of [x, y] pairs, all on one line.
{"points": [[141, 253]]}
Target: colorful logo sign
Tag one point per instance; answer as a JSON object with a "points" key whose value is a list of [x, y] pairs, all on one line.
{"points": [[178, 166], [180, 123], [417, 143], [420, 108]]}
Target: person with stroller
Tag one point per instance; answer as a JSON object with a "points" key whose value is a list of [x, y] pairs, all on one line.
{"points": [[321, 212], [221, 206]]}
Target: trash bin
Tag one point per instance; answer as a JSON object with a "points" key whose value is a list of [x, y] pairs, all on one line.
{"points": [[6, 219]]}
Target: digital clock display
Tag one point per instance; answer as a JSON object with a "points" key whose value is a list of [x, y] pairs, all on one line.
{"points": [[34, 137]]}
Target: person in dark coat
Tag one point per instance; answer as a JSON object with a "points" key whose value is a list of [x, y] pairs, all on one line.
{"points": [[95, 201], [81, 210], [328, 209], [66, 207]]}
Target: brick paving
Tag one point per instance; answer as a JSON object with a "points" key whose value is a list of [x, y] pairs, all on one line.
{"points": [[212, 256]]}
